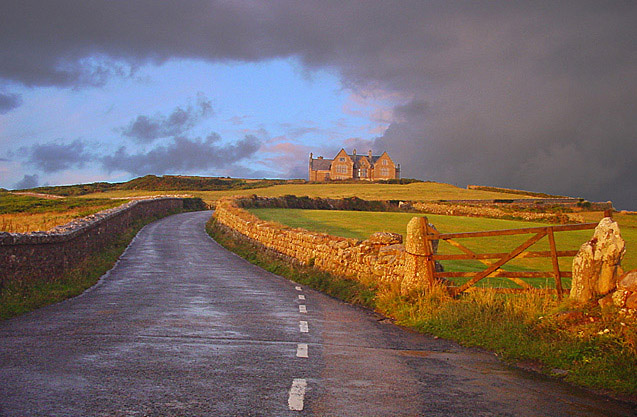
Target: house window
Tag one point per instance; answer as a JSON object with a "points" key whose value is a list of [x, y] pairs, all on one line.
{"points": [[384, 172], [341, 169], [341, 159], [384, 162], [362, 173]]}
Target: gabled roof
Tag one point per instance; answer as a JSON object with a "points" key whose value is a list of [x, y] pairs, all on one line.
{"points": [[358, 157], [321, 164]]}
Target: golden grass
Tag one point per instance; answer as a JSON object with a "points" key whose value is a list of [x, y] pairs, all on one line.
{"points": [[26, 222], [420, 191]]}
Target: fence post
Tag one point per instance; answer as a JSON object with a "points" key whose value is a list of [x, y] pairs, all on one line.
{"points": [[556, 264], [419, 265]]}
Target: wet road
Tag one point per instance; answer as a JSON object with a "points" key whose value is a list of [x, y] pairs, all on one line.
{"points": [[181, 327]]}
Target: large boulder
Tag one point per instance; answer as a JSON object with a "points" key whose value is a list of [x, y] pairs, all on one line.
{"points": [[595, 267]]}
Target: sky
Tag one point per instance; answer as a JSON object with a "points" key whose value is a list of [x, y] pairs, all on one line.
{"points": [[534, 95]]}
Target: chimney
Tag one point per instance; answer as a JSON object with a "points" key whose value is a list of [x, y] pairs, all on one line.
{"points": [[311, 154], [370, 153], [354, 152]]}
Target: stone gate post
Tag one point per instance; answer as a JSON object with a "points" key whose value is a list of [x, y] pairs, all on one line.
{"points": [[419, 266], [596, 266]]}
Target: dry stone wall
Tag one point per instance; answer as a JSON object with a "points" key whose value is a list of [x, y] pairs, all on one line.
{"points": [[381, 258], [492, 211], [45, 255]]}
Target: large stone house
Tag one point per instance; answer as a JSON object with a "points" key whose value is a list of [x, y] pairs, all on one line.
{"points": [[358, 167]]}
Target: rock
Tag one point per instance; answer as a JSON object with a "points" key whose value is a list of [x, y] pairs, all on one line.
{"points": [[629, 281], [595, 265], [391, 249], [631, 301], [619, 297], [385, 238], [606, 301]]}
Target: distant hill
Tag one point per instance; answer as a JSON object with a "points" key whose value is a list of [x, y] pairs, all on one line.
{"points": [[163, 183]]}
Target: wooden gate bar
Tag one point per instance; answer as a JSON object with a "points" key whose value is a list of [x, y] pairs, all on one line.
{"points": [[527, 254], [504, 232], [556, 264], [504, 260], [499, 273]]}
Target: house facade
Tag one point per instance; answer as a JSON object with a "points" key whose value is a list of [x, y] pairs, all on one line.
{"points": [[366, 167]]}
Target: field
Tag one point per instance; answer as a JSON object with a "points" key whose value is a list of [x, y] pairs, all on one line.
{"points": [[418, 191], [23, 213], [360, 225]]}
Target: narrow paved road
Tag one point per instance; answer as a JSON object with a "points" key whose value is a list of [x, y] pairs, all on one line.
{"points": [[181, 327]]}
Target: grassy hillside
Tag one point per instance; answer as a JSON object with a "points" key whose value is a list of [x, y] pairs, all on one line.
{"points": [[163, 183], [22, 214], [417, 191], [360, 225]]}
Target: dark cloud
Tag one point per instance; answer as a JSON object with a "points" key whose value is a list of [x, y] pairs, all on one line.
{"points": [[147, 129], [182, 155], [54, 156], [28, 181], [9, 102], [538, 95]]}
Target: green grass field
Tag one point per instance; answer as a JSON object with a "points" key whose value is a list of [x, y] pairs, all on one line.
{"points": [[359, 225]]}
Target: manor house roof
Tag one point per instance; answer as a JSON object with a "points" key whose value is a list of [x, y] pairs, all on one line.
{"points": [[321, 164]]}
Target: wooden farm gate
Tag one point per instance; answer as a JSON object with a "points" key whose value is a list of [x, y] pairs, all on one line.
{"points": [[493, 267]]}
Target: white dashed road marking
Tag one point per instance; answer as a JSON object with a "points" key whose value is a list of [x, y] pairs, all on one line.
{"points": [[301, 350], [303, 327], [297, 394], [302, 308], [301, 297]]}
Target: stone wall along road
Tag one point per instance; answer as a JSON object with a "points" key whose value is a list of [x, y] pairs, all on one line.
{"points": [[181, 327]]}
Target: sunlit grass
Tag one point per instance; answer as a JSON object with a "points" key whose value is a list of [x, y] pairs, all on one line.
{"points": [[23, 214], [419, 191]]}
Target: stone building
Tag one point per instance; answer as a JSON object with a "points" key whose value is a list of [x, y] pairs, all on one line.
{"points": [[358, 167]]}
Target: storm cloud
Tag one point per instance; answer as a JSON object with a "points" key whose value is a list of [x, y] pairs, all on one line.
{"points": [[182, 155], [147, 128], [536, 95], [57, 156], [28, 181], [9, 102]]}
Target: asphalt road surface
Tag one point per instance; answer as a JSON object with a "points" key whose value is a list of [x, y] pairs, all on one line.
{"points": [[181, 327]]}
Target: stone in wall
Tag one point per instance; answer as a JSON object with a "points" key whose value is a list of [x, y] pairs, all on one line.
{"points": [[596, 265], [625, 296]]}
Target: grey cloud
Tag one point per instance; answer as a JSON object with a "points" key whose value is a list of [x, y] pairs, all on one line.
{"points": [[523, 94], [9, 102], [147, 129], [54, 156], [28, 181], [182, 155]]}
